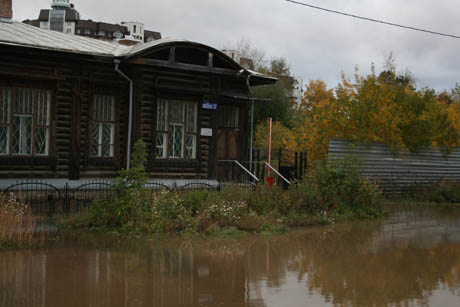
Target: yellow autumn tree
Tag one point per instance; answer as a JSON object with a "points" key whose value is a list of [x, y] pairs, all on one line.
{"points": [[377, 108], [282, 137]]}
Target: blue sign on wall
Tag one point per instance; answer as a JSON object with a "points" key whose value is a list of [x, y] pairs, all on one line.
{"points": [[209, 105]]}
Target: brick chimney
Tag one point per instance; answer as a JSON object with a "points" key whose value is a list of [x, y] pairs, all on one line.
{"points": [[6, 9]]}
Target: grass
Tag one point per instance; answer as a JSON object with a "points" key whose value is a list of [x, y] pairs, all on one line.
{"points": [[17, 224]]}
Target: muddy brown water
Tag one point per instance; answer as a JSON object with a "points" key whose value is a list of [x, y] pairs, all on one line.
{"points": [[410, 259]]}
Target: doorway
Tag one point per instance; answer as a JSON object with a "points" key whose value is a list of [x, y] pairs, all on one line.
{"points": [[228, 132]]}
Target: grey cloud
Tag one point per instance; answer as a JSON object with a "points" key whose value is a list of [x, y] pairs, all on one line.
{"points": [[318, 45]]}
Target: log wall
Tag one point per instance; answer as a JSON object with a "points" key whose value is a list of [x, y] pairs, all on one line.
{"points": [[74, 79]]}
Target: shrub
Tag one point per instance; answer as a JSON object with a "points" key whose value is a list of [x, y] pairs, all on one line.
{"points": [[265, 200], [129, 205], [336, 186], [439, 192]]}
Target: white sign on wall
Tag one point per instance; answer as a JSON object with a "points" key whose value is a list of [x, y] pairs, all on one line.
{"points": [[206, 132]]}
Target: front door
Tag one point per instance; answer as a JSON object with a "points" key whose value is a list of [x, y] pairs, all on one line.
{"points": [[228, 132]]}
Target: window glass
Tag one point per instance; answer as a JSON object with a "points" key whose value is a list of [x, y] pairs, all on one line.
{"points": [[103, 126], [229, 116], [176, 129], [24, 121], [57, 20]]}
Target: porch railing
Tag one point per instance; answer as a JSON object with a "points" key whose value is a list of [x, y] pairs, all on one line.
{"points": [[233, 171]]}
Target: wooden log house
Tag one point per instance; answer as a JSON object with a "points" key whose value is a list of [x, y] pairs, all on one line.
{"points": [[65, 109]]}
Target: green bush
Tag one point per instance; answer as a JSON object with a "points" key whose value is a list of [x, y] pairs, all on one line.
{"points": [[265, 200], [129, 204], [328, 192], [336, 186], [439, 192]]}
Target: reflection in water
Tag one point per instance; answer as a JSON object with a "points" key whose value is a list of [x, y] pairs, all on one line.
{"points": [[412, 259]]}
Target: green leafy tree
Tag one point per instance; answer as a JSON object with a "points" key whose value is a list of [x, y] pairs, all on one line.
{"points": [[279, 104]]}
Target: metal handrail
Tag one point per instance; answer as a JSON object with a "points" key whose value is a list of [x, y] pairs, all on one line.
{"points": [[243, 168], [281, 176]]}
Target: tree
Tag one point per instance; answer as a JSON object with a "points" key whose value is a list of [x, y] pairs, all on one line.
{"points": [[282, 137], [275, 100], [377, 108], [280, 104], [248, 50]]}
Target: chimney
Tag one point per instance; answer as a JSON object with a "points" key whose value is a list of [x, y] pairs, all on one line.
{"points": [[6, 9]]}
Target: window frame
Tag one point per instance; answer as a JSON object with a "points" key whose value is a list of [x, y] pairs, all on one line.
{"points": [[35, 125], [167, 131], [116, 122]]}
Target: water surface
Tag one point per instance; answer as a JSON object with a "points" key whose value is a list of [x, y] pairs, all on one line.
{"points": [[410, 259]]}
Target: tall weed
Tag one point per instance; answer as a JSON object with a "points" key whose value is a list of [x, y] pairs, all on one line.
{"points": [[17, 224]]}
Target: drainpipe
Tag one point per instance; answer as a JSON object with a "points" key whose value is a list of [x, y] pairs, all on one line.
{"points": [[252, 122], [130, 124]]}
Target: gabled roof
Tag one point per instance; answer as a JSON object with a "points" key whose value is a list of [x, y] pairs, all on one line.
{"points": [[20, 34]]}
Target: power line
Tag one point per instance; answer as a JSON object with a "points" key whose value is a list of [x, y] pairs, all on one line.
{"points": [[373, 20]]}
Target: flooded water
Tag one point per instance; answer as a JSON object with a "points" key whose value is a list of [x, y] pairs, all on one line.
{"points": [[410, 259]]}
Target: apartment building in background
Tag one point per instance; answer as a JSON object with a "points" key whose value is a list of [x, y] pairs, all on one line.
{"points": [[63, 17]]}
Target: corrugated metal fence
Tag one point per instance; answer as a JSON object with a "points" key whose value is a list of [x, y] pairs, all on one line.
{"points": [[395, 172]]}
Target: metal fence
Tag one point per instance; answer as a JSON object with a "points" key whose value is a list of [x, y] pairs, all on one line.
{"points": [[47, 198], [292, 165], [396, 172], [234, 172]]}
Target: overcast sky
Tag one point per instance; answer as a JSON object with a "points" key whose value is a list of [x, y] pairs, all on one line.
{"points": [[317, 44]]}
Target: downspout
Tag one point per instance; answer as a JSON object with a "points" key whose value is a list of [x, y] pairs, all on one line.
{"points": [[130, 123], [252, 123]]}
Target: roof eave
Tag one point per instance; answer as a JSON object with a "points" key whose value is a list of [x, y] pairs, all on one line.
{"points": [[103, 55]]}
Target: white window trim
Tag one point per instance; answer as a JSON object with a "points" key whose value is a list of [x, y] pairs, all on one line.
{"points": [[168, 133], [34, 123], [100, 129]]}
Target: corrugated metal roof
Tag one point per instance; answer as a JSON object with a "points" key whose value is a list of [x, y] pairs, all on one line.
{"points": [[21, 34]]}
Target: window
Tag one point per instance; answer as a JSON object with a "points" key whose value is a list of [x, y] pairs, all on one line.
{"points": [[24, 121], [117, 34], [44, 24], [103, 126], [87, 31], [57, 20], [134, 29], [229, 116], [176, 128]]}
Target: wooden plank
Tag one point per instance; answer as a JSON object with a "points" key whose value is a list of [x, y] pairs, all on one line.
{"points": [[181, 66]]}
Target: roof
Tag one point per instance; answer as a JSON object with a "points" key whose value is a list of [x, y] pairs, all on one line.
{"points": [[71, 15], [156, 35], [20, 34], [100, 26], [44, 15]]}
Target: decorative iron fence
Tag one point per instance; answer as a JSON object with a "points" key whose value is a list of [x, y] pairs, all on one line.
{"points": [[40, 195], [46, 198]]}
